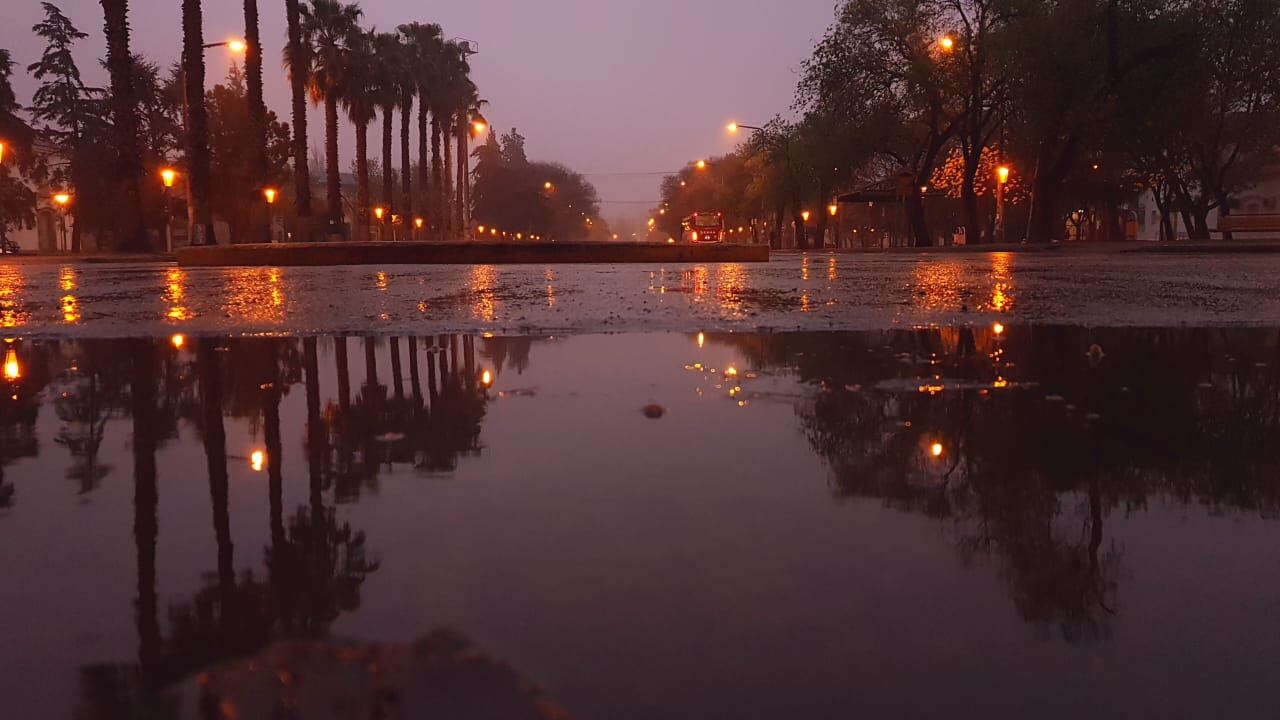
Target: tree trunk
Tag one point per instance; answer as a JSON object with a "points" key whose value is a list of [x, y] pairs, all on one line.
{"points": [[215, 450], [388, 174], [199, 176], [459, 212], [797, 222], [917, 226], [424, 164], [257, 120], [315, 431], [362, 180], [1224, 209], [406, 160], [332, 178], [437, 180], [132, 223], [447, 211], [146, 498], [298, 111], [969, 199]]}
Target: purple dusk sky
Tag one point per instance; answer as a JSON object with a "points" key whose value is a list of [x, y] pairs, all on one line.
{"points": [[609, 86]]}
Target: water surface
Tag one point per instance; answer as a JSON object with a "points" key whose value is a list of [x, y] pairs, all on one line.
{"points": [[1017, 521]]}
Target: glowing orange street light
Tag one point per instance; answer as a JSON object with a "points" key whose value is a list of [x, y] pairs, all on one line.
{"points": [[805, 215], [481, 229], [237, 46], [12, 368], [479, 127], [548, 186], [936, 449], [177, 340], [946, 43], [1002, 173], [1, 151], [701, 164], [379, 212], [732, 127], [270, 195], [998, 328], [832, 209], [418, 222], [168, 176], [63, 199], [257, 459], [486, 378], [494, 232]]}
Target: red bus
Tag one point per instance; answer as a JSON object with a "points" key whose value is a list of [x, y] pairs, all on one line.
{"points": [[702, 227]]}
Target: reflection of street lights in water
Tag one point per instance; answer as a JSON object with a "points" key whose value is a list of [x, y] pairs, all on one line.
{"points": [[936, 449], [12, 368], [486, 378]]}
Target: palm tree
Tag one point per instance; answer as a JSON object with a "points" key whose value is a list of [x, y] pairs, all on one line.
{"points": [[298, 60], [423, 43], [328, 27], [123, 106], [359, 100], [199, 176], [389, 52], [257, 111]]}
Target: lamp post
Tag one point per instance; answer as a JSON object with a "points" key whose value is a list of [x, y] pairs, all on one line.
{"points": [[236, 46], [269, 194], [167, 178], [62, 199], [782, 140], [1002, 177], [379, 212]]}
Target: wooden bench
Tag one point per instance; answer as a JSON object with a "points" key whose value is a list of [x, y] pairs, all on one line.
{"points": [[1256, 223]]}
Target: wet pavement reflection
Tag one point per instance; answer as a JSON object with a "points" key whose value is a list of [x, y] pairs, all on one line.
{"points": [[896, 522]]}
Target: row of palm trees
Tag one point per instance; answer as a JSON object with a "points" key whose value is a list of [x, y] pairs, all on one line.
{"points": [[375, 75], [331, 61]]}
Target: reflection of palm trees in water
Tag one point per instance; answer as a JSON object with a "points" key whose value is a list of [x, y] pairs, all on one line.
{"points": [[315, 564], [1027, 475], [385, 425]]}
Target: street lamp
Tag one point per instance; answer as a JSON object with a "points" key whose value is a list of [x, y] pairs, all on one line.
{"points": [[1, 152], [832, 209], [63, 199], [269, 194], [1002, 177], [947, 43], [167, 177], [701, 164], [805, 215]]}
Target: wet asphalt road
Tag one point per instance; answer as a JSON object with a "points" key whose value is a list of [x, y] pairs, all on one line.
{"points": [[817, 291]]}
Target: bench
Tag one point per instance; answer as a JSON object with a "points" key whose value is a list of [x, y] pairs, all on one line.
{"points": [[1249, 223]]}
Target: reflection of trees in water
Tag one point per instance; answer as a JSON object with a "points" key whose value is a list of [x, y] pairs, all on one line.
{"points": [[387, 425], [315, 563], [1028, 474]]}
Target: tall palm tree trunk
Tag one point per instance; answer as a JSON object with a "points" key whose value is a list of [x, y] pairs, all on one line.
{"points": [[199, 176], [333, 180], [257, 118], [460, 200], [437, 182], [361, 220], [447, 211], [388, 173], [298, 108], [146, 501], [133, 227], [406, 160], [424, 163]]}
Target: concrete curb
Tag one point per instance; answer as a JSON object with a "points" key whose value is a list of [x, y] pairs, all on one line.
{"points": [[462, 253]]}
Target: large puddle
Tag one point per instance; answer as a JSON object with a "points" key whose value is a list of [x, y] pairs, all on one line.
{"points": [[1021, 521]]}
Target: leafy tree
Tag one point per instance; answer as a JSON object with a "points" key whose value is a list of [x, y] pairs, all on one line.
{"points": [[17, 202], [231, 130]]}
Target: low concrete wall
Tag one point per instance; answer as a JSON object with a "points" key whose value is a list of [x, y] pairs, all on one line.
{"points": [[462, 253]]}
